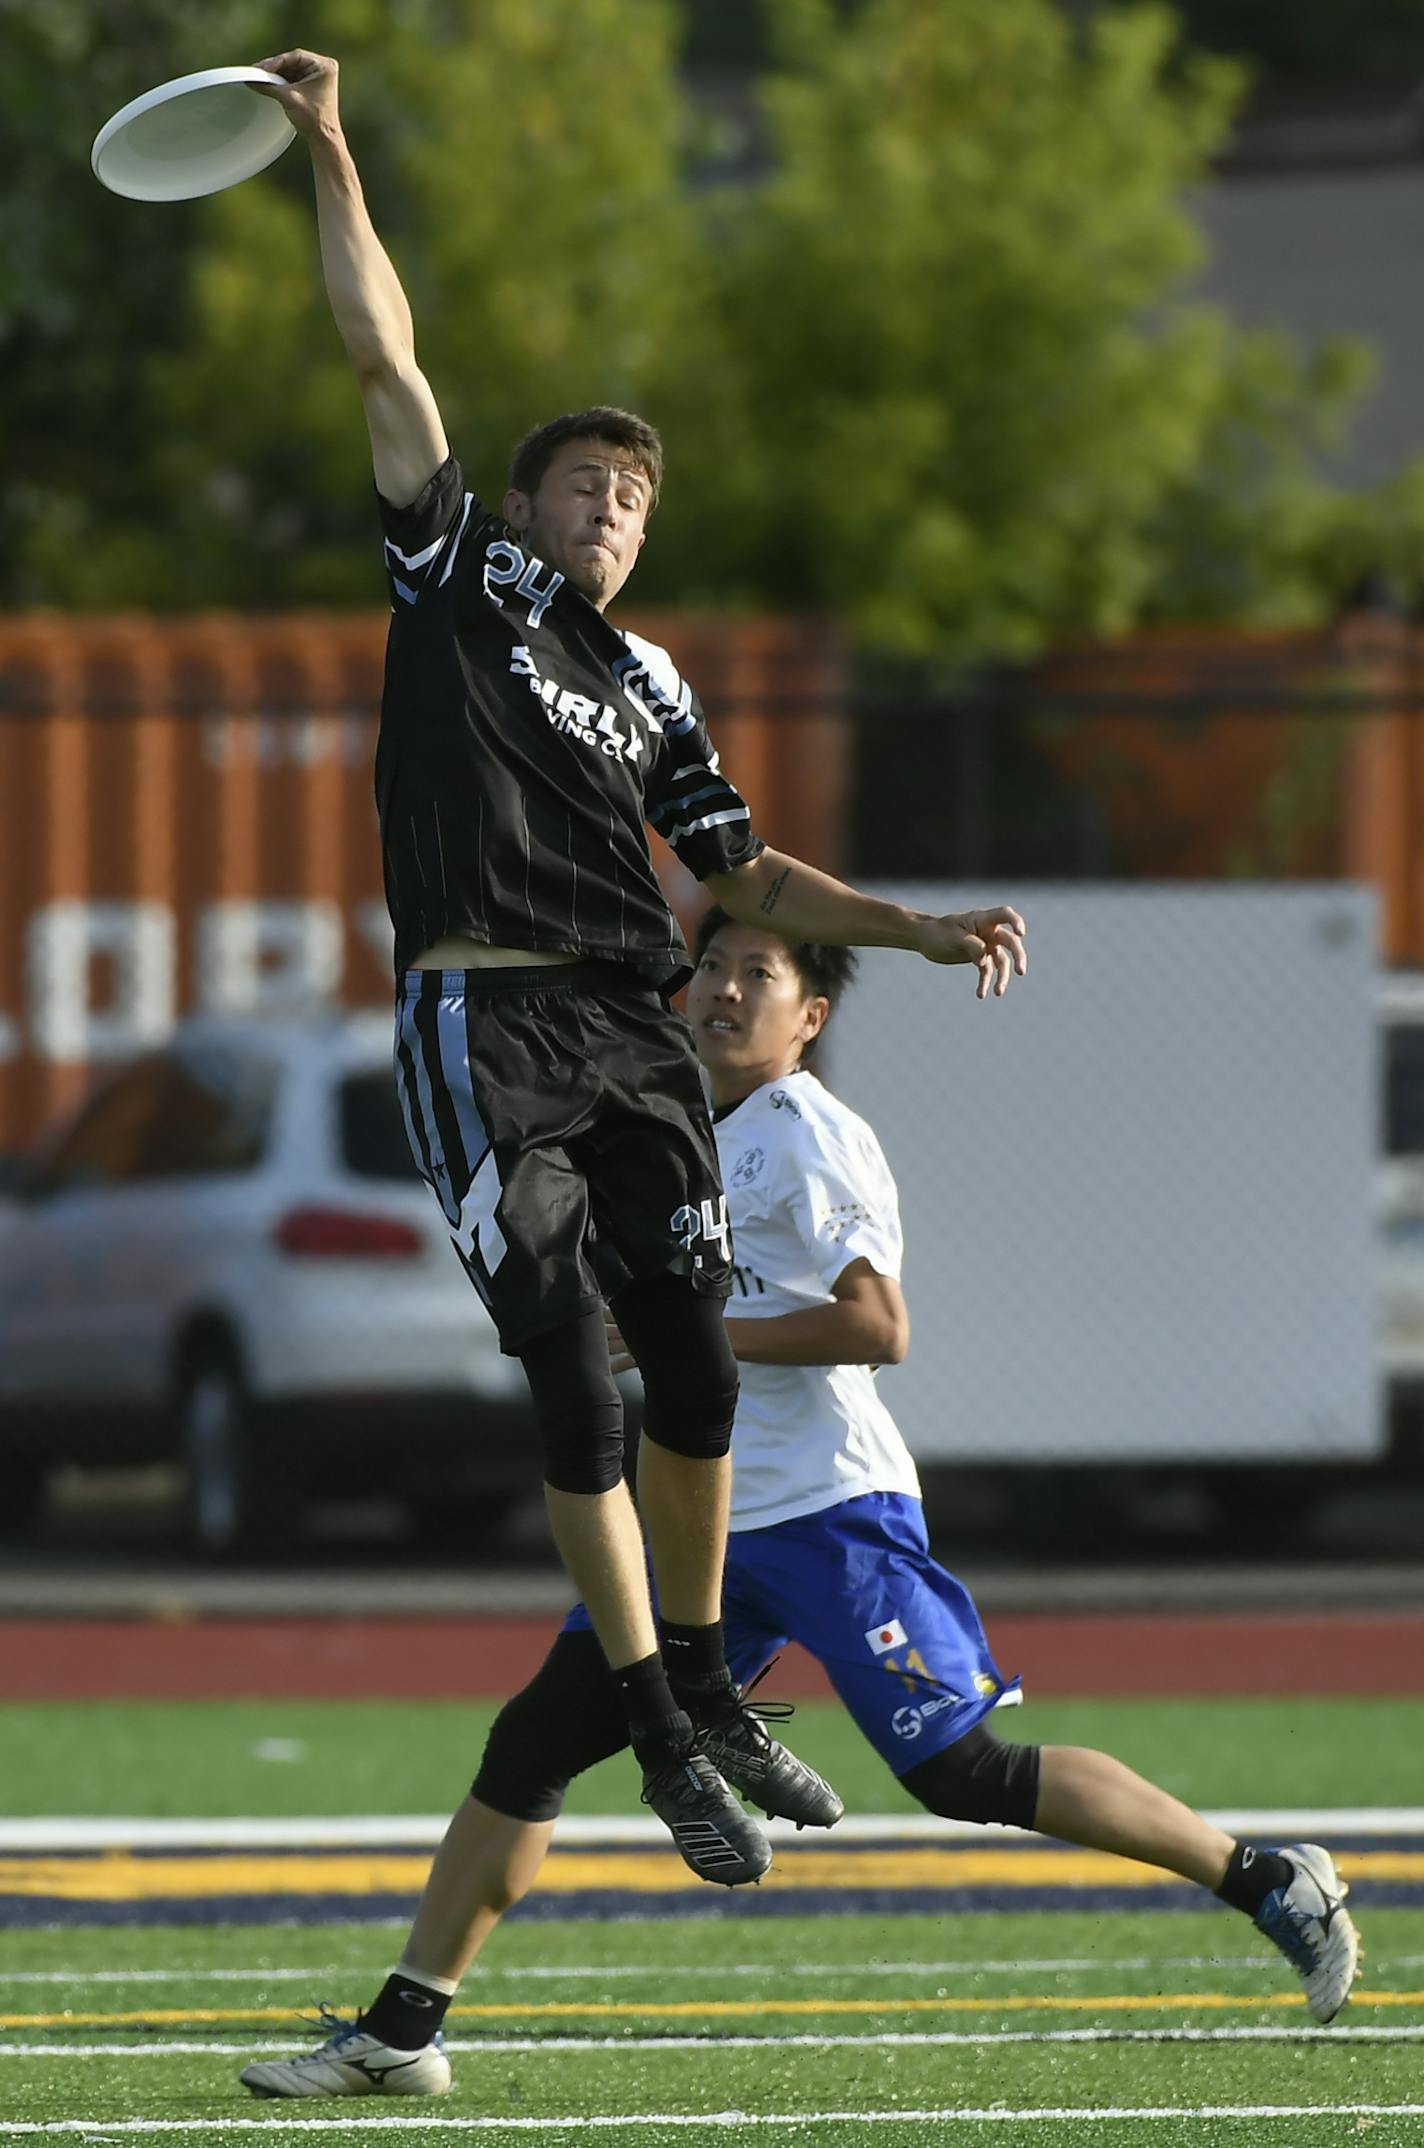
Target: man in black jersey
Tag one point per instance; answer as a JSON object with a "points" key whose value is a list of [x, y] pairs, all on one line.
{"points": [[551, 1096]]}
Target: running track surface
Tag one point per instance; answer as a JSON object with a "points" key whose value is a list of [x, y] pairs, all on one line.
{"points": [[460, 1659]]}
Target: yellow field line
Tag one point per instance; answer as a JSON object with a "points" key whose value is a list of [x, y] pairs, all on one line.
{"points": [[728, 2009], [119, 1876]]}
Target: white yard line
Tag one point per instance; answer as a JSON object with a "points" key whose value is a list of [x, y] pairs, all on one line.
{"points": [[996, 2115], [170, 1976], [492, 2045], [422, 1830], [326, 1973]]}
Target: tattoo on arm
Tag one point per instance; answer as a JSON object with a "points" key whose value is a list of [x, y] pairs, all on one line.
{"points": [[772, 896]]}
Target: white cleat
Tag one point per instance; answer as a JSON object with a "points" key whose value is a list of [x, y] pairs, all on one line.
{"points": [[351, 2063], [1310, 1924]]}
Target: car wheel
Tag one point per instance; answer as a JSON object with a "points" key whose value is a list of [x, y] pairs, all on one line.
{"points": [[228, 1507]]}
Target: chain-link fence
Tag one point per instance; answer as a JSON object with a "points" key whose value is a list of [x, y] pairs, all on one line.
{"points": [[1151, 1217]]}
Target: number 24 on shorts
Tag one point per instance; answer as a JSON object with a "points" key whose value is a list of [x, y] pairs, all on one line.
{"points": [[706, 1220]]}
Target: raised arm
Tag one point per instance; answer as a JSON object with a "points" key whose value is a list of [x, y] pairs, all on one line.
{"points": [[372, 315], [800, 903]]}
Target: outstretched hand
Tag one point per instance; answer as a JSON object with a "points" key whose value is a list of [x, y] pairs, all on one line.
{"points": [[992, 940], [309, 99]]}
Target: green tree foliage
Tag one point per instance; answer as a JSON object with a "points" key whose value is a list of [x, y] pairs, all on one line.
{"points": [[932, 370], [1249, 534], [88, 292], [962, 400], [522, 161], [959, 383]]}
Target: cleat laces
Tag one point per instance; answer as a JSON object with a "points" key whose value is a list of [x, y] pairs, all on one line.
{"points": [[1290, 1929], [329, 2024]]}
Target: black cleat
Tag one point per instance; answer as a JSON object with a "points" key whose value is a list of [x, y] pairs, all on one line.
{"points": [[732, 1732], [717, 1838]]}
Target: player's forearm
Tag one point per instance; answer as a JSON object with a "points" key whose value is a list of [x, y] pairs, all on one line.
{"points": [[821, 1335], [370, 308], [801, 903]]}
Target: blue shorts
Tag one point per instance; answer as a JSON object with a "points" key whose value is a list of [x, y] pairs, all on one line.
{"points": [[899, 1637]]}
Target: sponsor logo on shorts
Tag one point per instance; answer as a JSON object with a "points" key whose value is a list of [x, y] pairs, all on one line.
{"points": [[882, 1639], [909, 1722], [748, 1167]]}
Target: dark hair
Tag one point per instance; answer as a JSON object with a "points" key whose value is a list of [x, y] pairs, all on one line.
{"points": [[620, 428], [825, 972]]}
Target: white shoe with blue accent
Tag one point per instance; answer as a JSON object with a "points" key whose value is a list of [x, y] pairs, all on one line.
{"points": [[1310, 1924], [351, 2063]]}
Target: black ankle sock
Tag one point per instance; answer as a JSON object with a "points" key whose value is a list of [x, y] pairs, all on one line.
{"points": [[1253, 1874], [406, 2014], [658, 1739], [695, 1656], [657, 1727], [645, 1691]]}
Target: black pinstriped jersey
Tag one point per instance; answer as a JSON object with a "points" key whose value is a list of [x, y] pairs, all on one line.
{"points": [[524, 743]]}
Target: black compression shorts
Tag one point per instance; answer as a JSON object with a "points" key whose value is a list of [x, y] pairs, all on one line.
{"points": [[568, 1718]]}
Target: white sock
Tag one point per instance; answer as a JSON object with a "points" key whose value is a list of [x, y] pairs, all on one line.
{"points": [[447, 1986]]}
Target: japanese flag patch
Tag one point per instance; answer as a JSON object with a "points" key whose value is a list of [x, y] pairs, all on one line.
{"points": [[883, 1638]]}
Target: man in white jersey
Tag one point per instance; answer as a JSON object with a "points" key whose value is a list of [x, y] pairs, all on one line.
{"points": [[828, 1548]]}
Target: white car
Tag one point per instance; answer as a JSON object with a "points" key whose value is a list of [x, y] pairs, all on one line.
{"points": [[225, 1258], [1400, 1184]]}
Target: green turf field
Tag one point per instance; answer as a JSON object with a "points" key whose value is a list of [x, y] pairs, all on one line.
{"points": [[776, 2020], [199, 1758], [1069, 2027]]}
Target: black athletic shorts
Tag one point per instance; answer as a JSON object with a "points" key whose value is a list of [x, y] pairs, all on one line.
{"points": [[557, 1113]]}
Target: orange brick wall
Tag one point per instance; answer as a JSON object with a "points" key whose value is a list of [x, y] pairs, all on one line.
{"points": [[160, 777]]}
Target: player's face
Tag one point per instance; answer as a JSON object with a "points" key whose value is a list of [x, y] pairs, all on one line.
{"points": [[587, 517], [751, 1014]]}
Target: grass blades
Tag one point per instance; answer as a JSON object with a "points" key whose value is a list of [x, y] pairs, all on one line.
{"points": [[1077, 2015], [304, 1757], [1134, 2027]]}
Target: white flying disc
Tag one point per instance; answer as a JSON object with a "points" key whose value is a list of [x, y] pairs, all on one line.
{"points": [[194, 135]]}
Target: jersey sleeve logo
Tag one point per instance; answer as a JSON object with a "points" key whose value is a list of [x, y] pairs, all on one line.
{"points": [[780, 1101], [881, 1639], [660, 708], [413, 572], [840, 1218]]}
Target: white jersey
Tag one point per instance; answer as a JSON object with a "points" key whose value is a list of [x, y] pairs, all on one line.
{"points": [[808, 1191]]}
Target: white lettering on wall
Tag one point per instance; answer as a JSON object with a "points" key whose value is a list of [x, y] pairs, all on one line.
{"points": [[65, 945], [101, 978], [268, 957]]}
